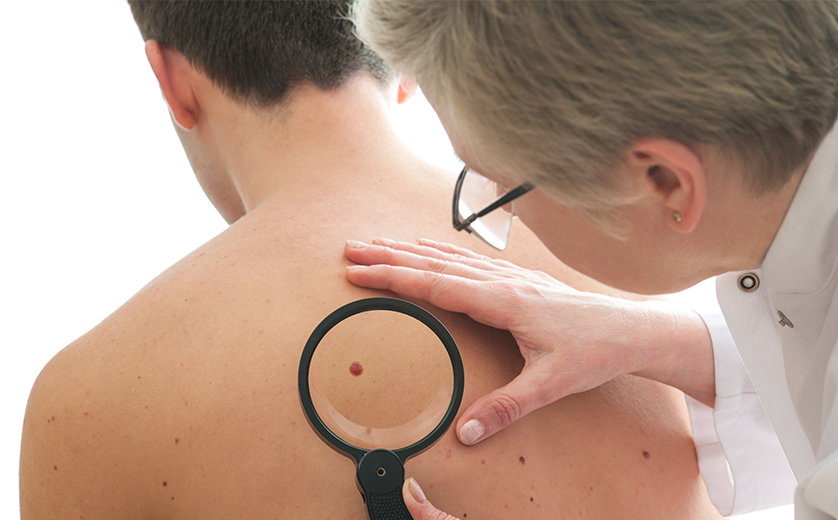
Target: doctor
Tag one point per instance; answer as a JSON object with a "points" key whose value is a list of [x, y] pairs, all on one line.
{"points": [[651, 146]]}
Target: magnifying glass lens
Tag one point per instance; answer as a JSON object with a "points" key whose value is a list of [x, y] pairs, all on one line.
{"points": [[381, 379]]}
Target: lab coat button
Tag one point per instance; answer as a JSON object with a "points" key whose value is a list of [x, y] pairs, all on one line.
{"points": [[748, 282], [784, 321]]}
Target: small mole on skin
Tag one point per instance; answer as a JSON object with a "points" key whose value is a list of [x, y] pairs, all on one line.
{"points": [[55, 468], [165, 482], [356, 369], [482, 462], [530, 499], [522, 460], [177, 440], [646, 454]]}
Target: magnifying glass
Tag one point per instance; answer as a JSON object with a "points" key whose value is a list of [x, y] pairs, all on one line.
{"points": [[352, 382]]}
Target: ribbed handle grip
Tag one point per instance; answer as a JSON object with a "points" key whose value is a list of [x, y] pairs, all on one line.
{"points": [[387, 507]]}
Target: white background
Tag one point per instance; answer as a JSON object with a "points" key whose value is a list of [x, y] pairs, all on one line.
{"points": [[97, 195]]}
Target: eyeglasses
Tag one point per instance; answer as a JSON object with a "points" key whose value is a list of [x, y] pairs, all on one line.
{"points": [[473, 191]]}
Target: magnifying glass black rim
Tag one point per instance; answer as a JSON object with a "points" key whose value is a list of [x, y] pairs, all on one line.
{"points": [[385, 304]]}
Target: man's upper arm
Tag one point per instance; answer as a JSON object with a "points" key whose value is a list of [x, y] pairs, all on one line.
{"points": [[69, 466]]}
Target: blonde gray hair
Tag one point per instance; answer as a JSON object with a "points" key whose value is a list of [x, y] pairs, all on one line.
{"points": [[560, 89]]}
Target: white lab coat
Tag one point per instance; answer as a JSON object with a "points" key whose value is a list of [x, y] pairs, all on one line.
{"points": [[778, 427]]}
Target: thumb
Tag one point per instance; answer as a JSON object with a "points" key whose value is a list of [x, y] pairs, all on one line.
{"points": [[418, 505], [502, 407]]}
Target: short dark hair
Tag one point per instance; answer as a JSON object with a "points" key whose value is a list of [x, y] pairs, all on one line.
{"points": [[258, 51]]}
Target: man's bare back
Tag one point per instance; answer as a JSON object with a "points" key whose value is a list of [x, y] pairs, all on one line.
{"points": [[184, 402]]}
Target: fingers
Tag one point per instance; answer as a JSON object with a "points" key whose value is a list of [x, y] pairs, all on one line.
{"points": [[450, 248], [453, 293], [451, 265], [502, 407], [454, 251], [418, 505], [383, 251]]}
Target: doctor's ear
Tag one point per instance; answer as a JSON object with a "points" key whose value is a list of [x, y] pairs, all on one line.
{"points": [[407, 87], [674, 175], [174, 75]]}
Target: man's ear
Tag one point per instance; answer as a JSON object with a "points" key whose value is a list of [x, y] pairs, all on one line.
{"points": [[173, 73], [407, 87], [674, 174]]}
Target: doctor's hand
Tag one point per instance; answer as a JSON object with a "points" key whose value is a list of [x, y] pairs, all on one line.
{"points": [[571, 341], [418, 505]]}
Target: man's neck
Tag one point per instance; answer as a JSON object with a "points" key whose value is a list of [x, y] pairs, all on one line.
{"points": [[282, 152]]}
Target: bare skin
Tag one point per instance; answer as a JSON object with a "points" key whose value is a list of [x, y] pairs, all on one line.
{"points": [[659, 253], [183, 403]]}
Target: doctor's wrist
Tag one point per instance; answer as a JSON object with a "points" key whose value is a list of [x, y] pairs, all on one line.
{"points": [[675, 349]]}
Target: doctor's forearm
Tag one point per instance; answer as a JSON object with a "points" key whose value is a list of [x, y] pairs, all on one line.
{"points": [[675, 348]]}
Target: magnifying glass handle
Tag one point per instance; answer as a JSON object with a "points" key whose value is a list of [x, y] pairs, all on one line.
{"points": [[380, 477], [387, 507]]}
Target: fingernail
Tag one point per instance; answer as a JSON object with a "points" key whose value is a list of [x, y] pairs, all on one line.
{"points": [[385, 242], [416, 491], [472, 431], [354, 244]]}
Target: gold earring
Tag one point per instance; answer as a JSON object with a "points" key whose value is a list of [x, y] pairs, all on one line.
{"points": [[676, 217]]}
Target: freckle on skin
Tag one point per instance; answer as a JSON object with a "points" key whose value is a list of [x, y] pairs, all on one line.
{"points": [[482, 462], [177, 440], [55, 468]]}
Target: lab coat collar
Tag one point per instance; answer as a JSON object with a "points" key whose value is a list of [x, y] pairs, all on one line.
{"points": [[802, 257]]}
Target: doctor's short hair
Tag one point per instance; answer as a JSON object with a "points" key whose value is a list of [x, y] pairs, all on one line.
{"points": [[557, 90], [257, 52]]}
